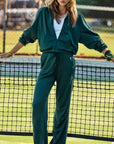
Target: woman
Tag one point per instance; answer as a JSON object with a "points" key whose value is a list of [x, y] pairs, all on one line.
{"points": [[58, 28]]}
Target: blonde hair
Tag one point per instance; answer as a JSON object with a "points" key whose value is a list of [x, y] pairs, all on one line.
{"points": [[70, 7]]}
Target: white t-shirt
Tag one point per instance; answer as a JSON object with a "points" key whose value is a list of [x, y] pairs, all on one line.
{"points": [[58, 27]]}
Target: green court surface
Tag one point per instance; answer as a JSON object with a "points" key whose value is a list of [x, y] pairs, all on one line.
{"points": [[29, 140]]}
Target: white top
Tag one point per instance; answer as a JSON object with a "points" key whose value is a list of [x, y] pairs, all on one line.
{"points": [[58, 27]]}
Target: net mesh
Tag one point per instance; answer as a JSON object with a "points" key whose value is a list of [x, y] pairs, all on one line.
{"points": [[92, 101]]}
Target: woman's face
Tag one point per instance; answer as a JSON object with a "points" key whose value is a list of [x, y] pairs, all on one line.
{"points": [[63, 2]]}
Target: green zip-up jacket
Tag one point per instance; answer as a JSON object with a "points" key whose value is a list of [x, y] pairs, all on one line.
{"points": [[43, 30]]}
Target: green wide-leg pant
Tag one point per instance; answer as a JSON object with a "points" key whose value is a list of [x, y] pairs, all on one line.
{"points": [[57, 67]]}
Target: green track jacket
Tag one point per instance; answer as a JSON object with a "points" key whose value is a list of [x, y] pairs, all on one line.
{"points": [[43, 30]]}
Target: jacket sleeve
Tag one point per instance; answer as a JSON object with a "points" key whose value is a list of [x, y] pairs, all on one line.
{"points": [[29, 35], [89, 38]]}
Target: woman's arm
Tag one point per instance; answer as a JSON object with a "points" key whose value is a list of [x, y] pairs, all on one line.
{"points": [[92, 40], [17, 47], [29, 36]]}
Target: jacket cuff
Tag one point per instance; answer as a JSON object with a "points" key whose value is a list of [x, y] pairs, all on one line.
{"points": [[22, 41]]}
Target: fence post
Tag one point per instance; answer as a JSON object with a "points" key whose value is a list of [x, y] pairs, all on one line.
{"points": [[4, 26]]}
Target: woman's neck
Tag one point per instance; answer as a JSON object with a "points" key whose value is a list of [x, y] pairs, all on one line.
{"points": [[62, 11]]}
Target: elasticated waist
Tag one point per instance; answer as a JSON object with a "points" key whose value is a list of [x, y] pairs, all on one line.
{"points": [[59, 52]]}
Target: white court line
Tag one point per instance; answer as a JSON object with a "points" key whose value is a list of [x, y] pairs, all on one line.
{"points": [[112, 143]]}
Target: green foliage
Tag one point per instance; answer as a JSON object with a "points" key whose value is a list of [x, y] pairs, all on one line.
{"points": [[107, 3], [88, 2], [96, 2]]}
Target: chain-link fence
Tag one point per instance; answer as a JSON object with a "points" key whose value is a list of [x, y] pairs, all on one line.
{"points": [[21, 13]]}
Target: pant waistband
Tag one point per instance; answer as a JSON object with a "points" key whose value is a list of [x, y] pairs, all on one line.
{"points": [[59, 52]]}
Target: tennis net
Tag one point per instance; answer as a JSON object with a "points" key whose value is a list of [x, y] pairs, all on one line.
{"points": [[92, 102]]}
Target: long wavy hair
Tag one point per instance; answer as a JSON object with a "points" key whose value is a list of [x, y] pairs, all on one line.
{"points": [[70, 7]]}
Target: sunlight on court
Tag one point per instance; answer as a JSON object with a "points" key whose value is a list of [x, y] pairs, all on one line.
{"points": [[29, 140]]}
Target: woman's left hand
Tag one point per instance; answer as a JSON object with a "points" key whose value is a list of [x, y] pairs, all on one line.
{"points": [[108, 55]]}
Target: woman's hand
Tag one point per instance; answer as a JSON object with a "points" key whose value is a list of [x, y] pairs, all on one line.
{"points": [[18, 46], [108, 55], [6, 55]]}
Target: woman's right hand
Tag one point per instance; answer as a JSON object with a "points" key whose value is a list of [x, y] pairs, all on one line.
{"points": [[6, 55], [12, 51]]}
